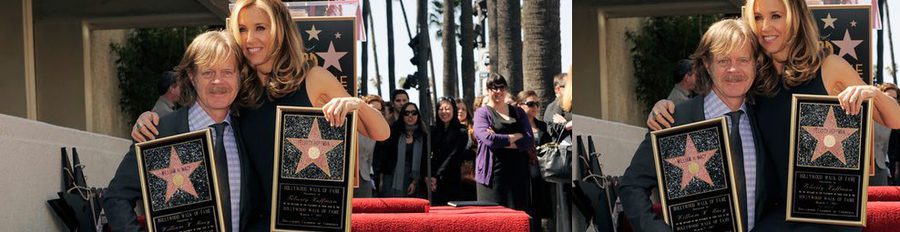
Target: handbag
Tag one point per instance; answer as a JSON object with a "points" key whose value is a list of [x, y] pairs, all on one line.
{"points": [[555, 161]]}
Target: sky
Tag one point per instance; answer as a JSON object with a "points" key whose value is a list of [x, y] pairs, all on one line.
{"points": [[403, 53]]}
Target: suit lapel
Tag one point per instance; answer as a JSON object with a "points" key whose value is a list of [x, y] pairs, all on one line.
{"points": [[176, 123], [693, 112]]}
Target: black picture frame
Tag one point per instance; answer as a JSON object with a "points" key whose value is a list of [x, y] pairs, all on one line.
{"points": [[823, 186], [166, 163], [705, 202], [313, 177]]}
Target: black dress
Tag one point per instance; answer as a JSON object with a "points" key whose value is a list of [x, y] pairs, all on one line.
{"points": [[258, 130], [774, 116], [510, 183], [541, 191], [447, 147]]}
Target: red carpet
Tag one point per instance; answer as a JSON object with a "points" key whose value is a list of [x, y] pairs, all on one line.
{"points": [[390, 205], [882, 216], [444, 218], [884, 193]]}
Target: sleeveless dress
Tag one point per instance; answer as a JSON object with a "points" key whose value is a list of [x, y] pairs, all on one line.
{"points": [[258, 130], [774, 122]]}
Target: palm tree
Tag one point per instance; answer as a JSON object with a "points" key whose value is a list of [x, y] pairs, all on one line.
{"points": [[542, 59], [390, 41], [467, 42], [509, 42], [492, 34], [449, 43]]}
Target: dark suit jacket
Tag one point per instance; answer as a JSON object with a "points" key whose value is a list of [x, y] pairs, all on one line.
{"points": [[640, 177], [125, 188]]}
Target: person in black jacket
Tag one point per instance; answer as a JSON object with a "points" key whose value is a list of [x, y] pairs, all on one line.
{"points": [[403, 158], [540, 190], [448, 142]]}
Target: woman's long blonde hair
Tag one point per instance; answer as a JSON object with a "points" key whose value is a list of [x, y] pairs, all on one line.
{"points": [[805, 54], [290, 61], [566, 103]]}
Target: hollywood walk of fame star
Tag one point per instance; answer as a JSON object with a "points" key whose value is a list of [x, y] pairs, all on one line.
{"points": [[847, 45], [830, 138], [853, 23], [331, 57], [829, 21], [177, 175], [337, 35], [313, 33], [693, 164], [313, 149]]}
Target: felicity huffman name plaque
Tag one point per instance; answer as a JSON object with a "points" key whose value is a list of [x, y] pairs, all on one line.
{"points": [[695, 178], [313, 182], [828, 168], [179, 183]]}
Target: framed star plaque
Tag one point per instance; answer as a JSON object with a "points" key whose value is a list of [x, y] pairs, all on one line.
{"points": [[332, 41], [179, 183], [847, 31], [696, 183], [313, 178], [828, 165]]}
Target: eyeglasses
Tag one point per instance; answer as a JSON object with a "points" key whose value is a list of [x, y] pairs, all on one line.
{"points": [[410, 113], [532, 104]]}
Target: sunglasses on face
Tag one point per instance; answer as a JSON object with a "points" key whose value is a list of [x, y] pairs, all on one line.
{"points": [[532, 104], [410, 113]]}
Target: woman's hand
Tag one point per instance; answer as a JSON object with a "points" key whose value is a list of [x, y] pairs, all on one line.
{"points": [[852, 97], [412, 188], [515, 137], [145, 127], [661, 115], [336, 110], [432, 183]]}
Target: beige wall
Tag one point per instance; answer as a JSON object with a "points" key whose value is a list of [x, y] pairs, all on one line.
{"points": [[586, 62], [12, 61], [604, 75], [30, 172], [106, 116], [59, 73], [618, 80], [76, 83]]}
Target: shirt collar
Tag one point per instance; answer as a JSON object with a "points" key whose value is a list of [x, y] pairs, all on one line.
{"points": [[714, 107], [199, 119]]}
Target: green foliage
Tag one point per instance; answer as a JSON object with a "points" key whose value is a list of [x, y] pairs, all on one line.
{"points": [[658, 45], [436, 17], [142, 59]]}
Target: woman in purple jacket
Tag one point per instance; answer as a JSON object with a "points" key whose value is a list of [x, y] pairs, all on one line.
{"points": [[505, 149]]}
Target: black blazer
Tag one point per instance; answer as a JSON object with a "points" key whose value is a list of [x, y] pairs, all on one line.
{"points": [[125, 188], [640, 177]]}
